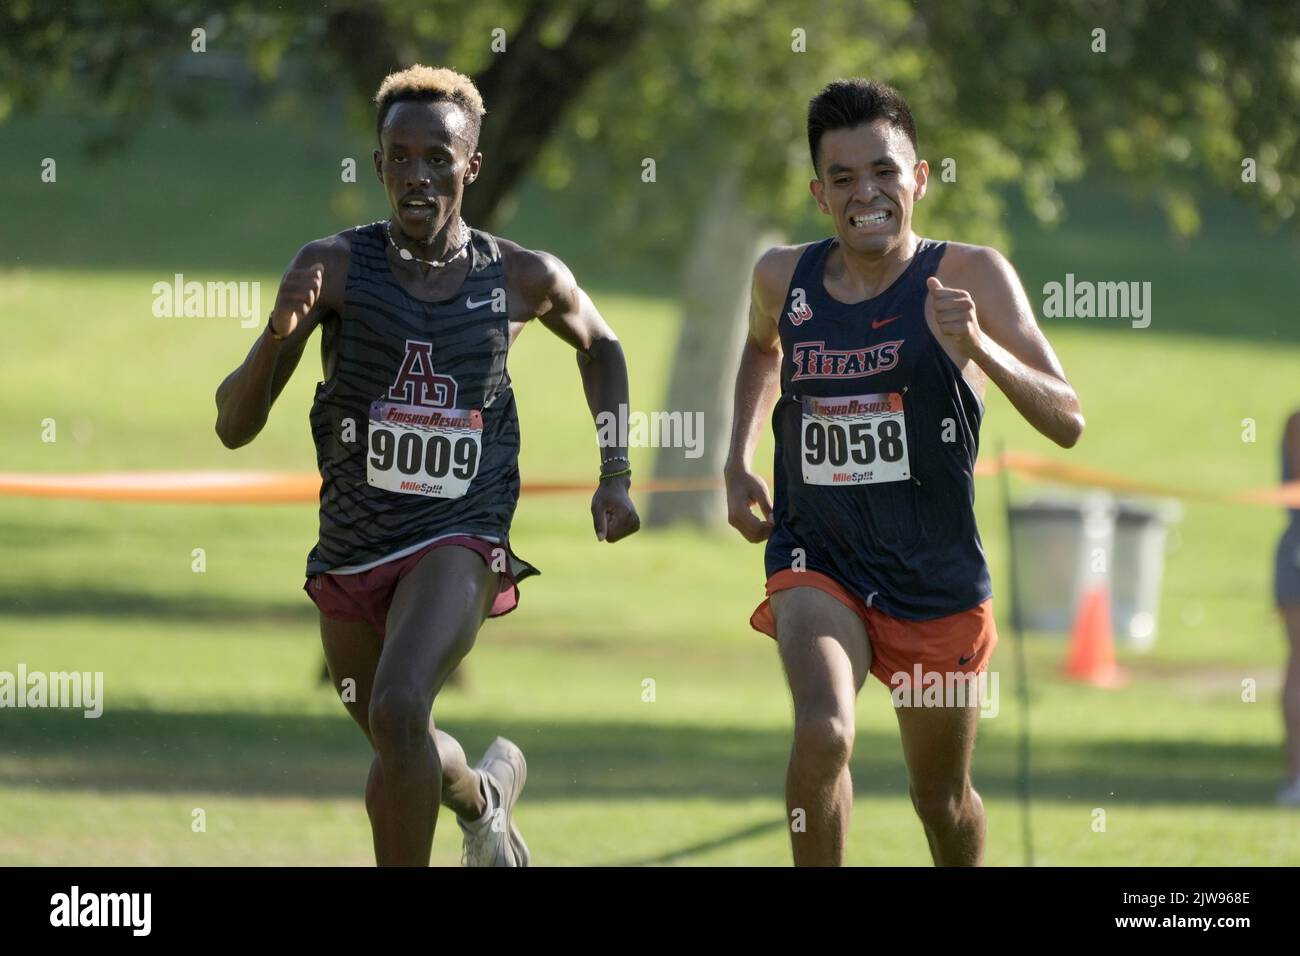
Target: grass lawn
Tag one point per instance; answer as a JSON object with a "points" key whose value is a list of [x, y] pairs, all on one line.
{"points": [[211, 699]]}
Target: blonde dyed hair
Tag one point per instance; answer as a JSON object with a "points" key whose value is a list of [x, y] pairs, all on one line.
{"points": [[428, 84]]}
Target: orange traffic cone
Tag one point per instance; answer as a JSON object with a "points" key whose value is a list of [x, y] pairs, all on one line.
{"points": [[1092, 645]]}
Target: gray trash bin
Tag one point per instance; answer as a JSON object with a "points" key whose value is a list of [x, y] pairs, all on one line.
{"points": [[1141, 532], [1062, 547]]}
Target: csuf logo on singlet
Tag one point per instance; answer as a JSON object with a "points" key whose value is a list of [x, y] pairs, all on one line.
{"points": [[416, 382]]}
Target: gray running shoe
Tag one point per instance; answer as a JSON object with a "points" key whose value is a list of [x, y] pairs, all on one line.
{"points": [[493, 839]]}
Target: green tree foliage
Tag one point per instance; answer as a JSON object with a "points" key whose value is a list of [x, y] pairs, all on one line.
{"points": [[1016, 94]]}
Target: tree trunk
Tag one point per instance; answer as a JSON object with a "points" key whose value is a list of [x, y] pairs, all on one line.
{"points": [[529, 89], [715, 321], [362, 43]]}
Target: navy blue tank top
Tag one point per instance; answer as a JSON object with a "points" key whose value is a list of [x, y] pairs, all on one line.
{"points": [[876, 438]]}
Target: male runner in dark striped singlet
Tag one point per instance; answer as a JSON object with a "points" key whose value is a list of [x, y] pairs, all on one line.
{"points": [[879, 344], [417, 442]]}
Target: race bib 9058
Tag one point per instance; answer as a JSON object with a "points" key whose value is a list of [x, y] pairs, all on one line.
{"points": [[855, 440], [416, 450]]}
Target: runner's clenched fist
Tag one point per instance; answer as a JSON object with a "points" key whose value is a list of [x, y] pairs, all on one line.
{"points": [[299, 290]]}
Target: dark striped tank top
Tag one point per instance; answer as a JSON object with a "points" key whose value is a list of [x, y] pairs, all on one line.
{"points": [[876, 437], [418, 408]]}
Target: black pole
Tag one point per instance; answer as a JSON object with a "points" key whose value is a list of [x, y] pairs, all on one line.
{"points": [[1022, 672]]}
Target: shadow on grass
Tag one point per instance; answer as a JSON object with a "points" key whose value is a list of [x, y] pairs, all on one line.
{"points": [[90, 601], [704, 846], [257, 755]]}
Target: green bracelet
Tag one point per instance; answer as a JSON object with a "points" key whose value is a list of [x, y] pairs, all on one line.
{"points": [[617, 474]]}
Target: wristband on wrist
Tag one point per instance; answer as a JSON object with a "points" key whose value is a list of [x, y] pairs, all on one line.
{"points": [[617, 474]]}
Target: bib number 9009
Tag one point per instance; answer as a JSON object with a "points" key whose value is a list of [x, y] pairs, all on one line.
{"points": [[857, 440], [423, 451]]}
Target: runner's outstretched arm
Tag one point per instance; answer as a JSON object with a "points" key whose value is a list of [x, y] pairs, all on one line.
{"points": [[245, 397], [568, 311], [758, 381]]}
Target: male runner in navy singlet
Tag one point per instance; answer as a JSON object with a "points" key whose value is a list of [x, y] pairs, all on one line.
{"points": [[417, 441], [876, 346]]}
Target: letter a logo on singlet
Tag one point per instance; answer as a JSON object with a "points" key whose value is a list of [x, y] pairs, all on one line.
{"points": [[416, 383]]}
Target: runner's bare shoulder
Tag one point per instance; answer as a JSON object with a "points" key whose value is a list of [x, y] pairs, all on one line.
{"points": [[965, 265], [773, 274], [533, 277]]}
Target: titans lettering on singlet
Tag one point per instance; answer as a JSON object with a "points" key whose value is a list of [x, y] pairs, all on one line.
{"points": [[420, 443], [815, 360]]}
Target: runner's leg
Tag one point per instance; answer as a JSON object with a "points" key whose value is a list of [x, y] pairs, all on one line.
{"points": [[937, 745], [436, 612], [352, 651], [1291, 692], [826, 656]]}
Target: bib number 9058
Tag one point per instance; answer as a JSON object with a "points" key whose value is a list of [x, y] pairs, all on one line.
{"points": [[856, 440]]}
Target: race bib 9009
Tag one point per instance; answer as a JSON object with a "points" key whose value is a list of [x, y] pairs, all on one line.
{"points": [[416, 450], [855, 440]]}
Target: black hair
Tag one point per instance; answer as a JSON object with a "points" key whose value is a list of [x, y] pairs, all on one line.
{"points": [[846, 104]]}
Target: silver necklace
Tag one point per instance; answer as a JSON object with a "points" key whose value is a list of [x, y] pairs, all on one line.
{"points": [[406, 253]]}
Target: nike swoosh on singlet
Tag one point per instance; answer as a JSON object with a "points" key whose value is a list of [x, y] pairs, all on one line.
{"points": [[963, 661], [471, 304], [880, 323]]}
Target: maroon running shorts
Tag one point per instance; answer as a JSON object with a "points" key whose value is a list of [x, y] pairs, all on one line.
{"points": [[366, 595]]}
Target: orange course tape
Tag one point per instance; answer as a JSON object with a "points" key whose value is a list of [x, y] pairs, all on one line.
{"points": [[238, 487], [208, 487], [1036, 467]]}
